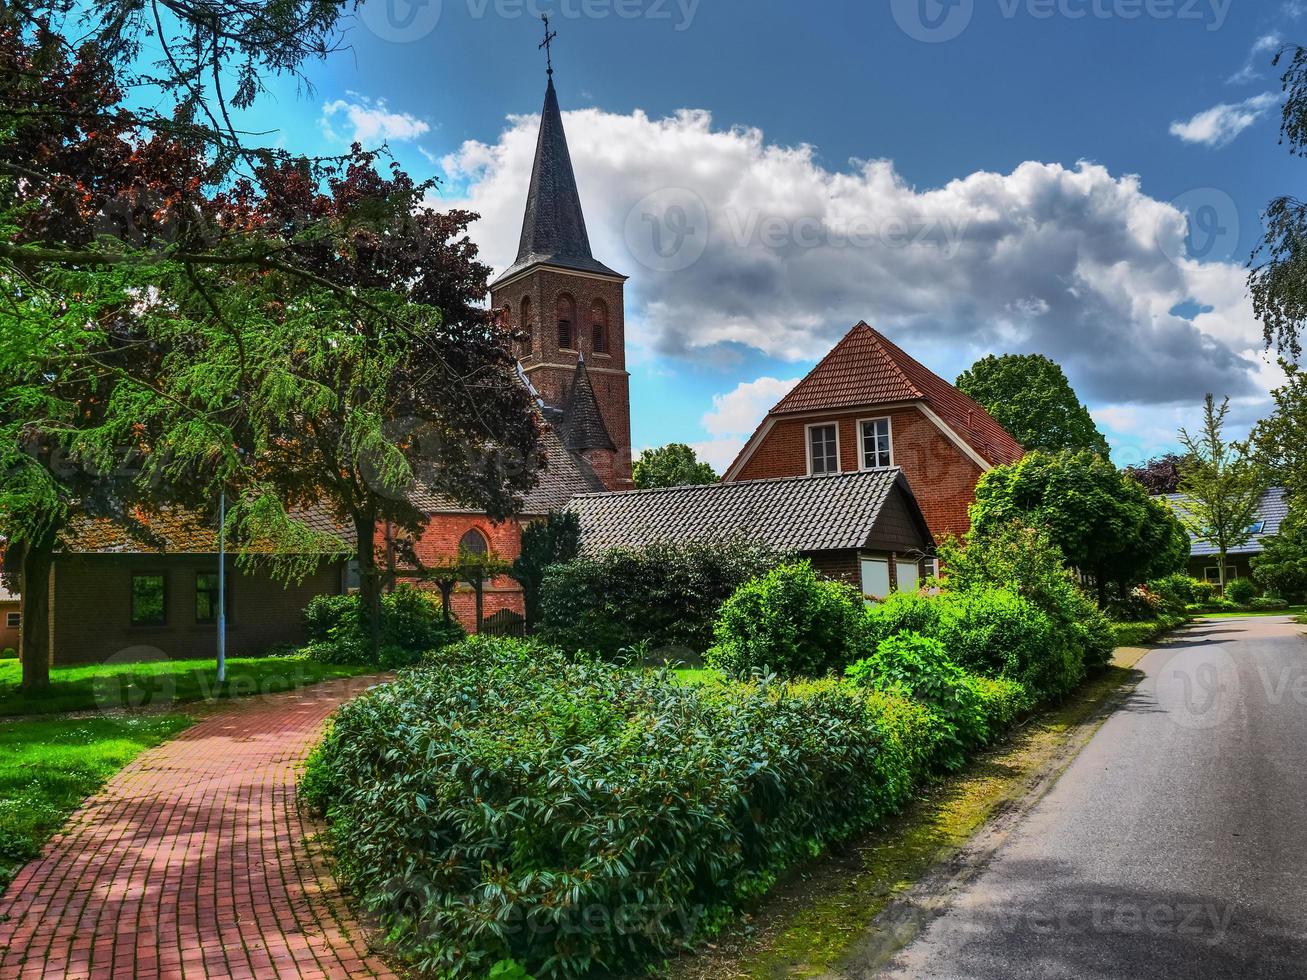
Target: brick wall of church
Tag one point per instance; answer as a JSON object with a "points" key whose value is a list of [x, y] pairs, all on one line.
{"points": [[551, 368], [942, 477], [439, 542]]}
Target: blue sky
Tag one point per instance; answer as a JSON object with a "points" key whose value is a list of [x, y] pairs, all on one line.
{"points": [[976, 176]]}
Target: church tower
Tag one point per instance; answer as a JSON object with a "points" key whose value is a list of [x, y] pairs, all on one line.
{"points": [[569, 307]]}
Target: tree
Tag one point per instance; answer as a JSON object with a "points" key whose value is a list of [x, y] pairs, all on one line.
{"points": [[1279, 441], [1029, 395], [1222, 486], [1159, 475], [551, 541], [1281, 568], [1104, 524], [1277, 278], [673, 465]]}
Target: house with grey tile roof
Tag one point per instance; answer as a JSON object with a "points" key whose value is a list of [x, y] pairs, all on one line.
{"points": [[1203, 561], [864, 527]]}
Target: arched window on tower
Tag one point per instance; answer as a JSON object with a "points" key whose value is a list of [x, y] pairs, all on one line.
{"points": [[525, 326], [566, 314], [473, 542], [599, 326]]}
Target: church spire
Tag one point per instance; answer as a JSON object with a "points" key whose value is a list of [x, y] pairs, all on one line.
{"points": [[553, 228]]}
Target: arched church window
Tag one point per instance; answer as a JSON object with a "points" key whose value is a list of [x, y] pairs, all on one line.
{"points": [[525, 326], [599, 326], [474, 543], [566, 314]]}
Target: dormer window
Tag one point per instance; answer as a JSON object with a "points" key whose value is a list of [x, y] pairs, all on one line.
{"points": [[823, 449], [877, 446]]}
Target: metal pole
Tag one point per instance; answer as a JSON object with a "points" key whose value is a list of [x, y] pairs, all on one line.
{"points": [[222, 587]]}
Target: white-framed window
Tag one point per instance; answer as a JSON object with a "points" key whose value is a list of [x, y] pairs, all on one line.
{"points": [[877, 444], [875, 577], [13, 620], [1212, 573], [823, 448], [907, 573]]}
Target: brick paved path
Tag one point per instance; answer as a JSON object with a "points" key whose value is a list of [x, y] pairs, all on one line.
{"points": [[192, 862]]}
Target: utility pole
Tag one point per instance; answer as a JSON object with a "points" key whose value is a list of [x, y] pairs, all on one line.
{"points": [[222, 586]]}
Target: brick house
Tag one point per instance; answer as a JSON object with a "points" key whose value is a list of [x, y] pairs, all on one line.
{"points": [[11, 616], [862, 527], [868, 405]]}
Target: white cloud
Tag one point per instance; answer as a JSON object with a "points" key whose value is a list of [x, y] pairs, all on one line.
{"points": [[371, 122], [1256, 61], [1220, 124], [738, 412], [1076, 263], [719, 453]]}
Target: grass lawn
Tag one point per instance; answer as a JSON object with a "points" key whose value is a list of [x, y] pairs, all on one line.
{"points": [[159, 684], [48, 767], [1295, 611]]}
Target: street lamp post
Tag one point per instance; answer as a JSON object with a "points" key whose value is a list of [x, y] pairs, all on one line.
{"points": [[222, 586]]}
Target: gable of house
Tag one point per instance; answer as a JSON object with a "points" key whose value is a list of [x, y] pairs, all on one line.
{"points": [[868, 387]]}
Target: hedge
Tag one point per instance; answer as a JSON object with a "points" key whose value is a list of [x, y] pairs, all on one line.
{"points": [[790, 622], [666, 594], [412, 623], [508, 802]]}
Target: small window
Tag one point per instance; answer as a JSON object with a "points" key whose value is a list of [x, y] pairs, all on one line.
{"points": [[599, 327], [875, 577], [823, 449], [525, 325], [565, 314], [1257, 527], [877, 452], [907, 572], [13, 621], [206, 597], [474, 543], [149, 600]]}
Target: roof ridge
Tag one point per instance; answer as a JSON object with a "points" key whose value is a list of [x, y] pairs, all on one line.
{"points": [[744, 483]]}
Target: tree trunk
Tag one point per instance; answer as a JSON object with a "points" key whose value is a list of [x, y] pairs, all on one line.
{"points": [[1100, 581], [1221, 570], [365, 527], [37, 561]]}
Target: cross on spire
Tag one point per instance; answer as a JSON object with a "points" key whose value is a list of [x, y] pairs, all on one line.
{"points": [[549, 37]]}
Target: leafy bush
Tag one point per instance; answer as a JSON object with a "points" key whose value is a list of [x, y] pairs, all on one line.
{"points": [[1204, 591], [668, 594], [1241, 591], [1002, 701], [508, 801], [412, 622], [1026, 560], [919, 668], [791, 622], [1265, 602], [1177, 591], [992, 632], [9, 653]]}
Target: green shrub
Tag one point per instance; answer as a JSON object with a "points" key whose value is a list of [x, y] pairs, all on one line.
{"points": [[1241, 591], [918, 667], [1265, 602], [1178, 591], [508, 801], [993, 632], [9, 653], [1002, 701], [790, 622], [412, 622], [668, 594], [1204, 592]]}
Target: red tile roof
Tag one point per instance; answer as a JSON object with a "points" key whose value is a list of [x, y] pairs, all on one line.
{"points": [[866, 369]]}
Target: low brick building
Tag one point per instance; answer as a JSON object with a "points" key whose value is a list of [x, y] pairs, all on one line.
{"points": [[11, 617], [862, 527], [868, 405]]}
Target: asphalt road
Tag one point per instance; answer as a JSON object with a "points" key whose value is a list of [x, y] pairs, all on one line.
{"points": [[1175, 845]]}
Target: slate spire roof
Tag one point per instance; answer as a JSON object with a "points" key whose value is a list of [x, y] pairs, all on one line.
{"points": [[553, 228], [582, 420]]}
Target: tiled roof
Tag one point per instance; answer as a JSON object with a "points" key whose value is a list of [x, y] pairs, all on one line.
{"points": [[584, 425], [806, 513], [1274, 509], [553, 228], [563, 476], [866, 369], [173, 530]]}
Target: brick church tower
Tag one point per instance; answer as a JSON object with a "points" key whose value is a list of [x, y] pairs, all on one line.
{"points": [[569, 306]]}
